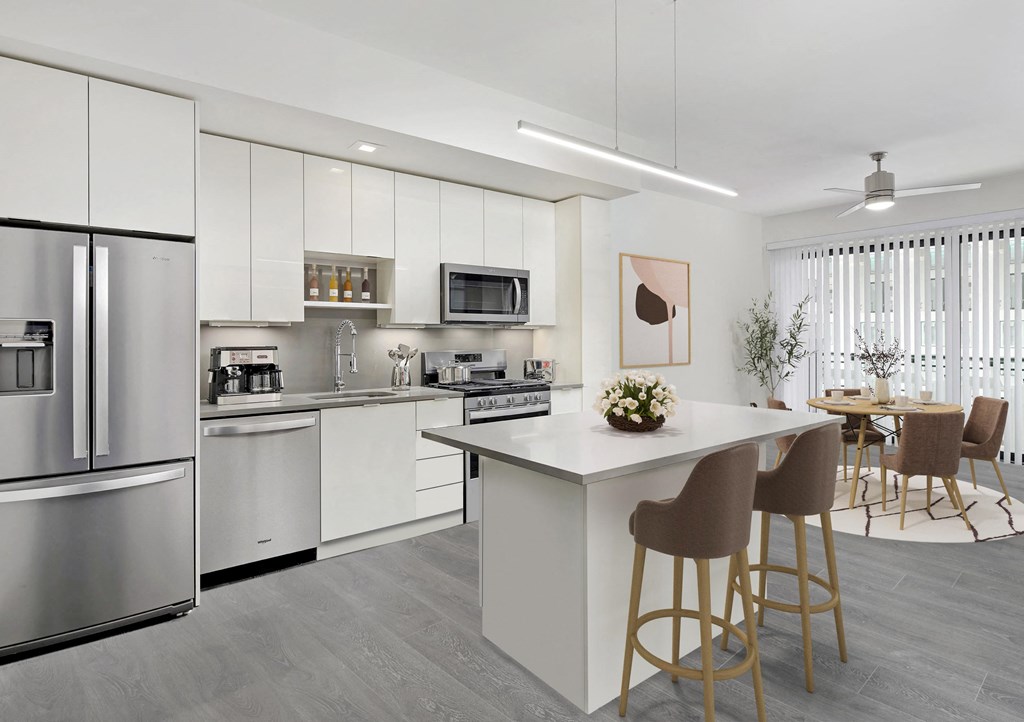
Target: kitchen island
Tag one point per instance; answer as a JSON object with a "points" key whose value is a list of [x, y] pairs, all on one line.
{"points": [[556, 552]]}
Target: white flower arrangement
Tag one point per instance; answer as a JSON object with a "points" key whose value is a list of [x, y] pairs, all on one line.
{"points": [[637, 395]]}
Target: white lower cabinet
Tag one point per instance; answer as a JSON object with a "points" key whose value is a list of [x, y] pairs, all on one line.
{"points": [[367, 468], [440, 469], [566, 401], [440, 500]]}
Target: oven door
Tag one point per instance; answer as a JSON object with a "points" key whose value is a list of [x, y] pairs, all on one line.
{"points": [[478, 294], [488, 416]]}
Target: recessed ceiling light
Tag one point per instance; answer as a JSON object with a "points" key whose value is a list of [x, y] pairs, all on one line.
{"points": [[365, 146], [336, 169]]}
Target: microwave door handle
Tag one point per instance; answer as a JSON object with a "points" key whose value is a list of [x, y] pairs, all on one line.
{"points": [[80, 353], [517, 291], [102, 362]]}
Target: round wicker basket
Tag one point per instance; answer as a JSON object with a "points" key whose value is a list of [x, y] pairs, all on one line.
{"points": [[624, 424]]}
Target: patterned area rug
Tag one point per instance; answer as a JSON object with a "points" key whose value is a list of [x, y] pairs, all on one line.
{"points": [[990, 516]]}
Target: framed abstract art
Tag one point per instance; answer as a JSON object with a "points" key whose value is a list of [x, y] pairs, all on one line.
{"points": [[654, 311]]}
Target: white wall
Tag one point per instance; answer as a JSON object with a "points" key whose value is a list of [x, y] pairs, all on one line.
{"points": [[724, 249]]}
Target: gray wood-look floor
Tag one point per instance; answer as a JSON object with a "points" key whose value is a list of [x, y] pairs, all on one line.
{"points": [[935, 633]]}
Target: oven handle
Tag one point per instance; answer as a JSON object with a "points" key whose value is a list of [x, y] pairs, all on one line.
{"points": [[475, 415]]}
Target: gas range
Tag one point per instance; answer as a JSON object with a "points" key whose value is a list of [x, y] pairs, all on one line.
{"points": [[500, 392]]}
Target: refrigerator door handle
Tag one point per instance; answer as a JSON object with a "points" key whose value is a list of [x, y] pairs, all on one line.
{"points": [[80, 353], [89, 487], [102, 361]]}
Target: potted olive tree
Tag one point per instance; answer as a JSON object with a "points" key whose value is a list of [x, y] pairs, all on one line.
{"points": [[771, 353]]}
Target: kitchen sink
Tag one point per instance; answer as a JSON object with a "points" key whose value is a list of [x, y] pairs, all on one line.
{"points": [[352, 395]]}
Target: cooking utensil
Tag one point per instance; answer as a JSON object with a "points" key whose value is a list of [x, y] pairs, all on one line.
{"points": [[453, 373]]}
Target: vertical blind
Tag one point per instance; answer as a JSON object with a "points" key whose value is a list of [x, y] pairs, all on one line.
{"points": [[954, 297]]}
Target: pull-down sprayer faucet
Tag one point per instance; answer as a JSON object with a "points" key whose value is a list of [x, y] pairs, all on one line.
{"points": [[339, 382]]}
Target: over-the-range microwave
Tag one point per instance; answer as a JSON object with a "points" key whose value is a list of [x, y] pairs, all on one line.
{"points": [[483, 294]]}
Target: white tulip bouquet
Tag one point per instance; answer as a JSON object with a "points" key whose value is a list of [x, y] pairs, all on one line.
{"points": [[636, 396]]}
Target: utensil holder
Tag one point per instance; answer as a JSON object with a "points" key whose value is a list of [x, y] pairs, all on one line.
{"points": [[400, 378]]}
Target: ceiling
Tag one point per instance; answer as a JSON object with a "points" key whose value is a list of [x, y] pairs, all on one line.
{"points": [[776, 99]]}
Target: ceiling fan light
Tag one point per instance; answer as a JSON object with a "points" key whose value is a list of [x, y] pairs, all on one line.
{"points": [[879, 203]]}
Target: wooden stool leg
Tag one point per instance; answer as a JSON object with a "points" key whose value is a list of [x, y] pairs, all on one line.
{"points": [[639, 557], [762, 577], [885, 486], [799, 525], [928, 494], [974, 479], [833, 580], [903, 500], [751, 627], [677, 605], [999, 475], [950, 493], [960, 501], [846, 456], [868, 452], [729, 592], [707, 658]]}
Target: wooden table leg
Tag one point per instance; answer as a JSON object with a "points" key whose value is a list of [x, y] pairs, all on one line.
{"points": [[855, 481]]}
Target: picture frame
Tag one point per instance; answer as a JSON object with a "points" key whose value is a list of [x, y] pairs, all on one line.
{"points": [[654, 312]]}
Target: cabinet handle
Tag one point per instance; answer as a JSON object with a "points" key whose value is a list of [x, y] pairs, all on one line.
{"points": [[366, 406], [261, 428]]}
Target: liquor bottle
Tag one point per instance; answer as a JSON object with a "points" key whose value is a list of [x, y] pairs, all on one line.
{"points": [[365, 292], [313, 287], [346, 296], [332, 291]]}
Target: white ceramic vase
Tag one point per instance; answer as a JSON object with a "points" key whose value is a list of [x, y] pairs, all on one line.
{"points": [[882, 391]]}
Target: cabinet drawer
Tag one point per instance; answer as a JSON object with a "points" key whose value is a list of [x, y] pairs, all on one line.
{"points": [[439, 472], [439, 412], [431, 502], [427, 449]]}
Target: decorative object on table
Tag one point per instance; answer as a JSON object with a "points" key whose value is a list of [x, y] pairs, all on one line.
{"points": [[636, 401], [400, 377], [654, 311], [770, 354], [880, 360]]}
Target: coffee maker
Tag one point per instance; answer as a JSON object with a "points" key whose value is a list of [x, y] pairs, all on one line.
{"points": [[244, 375]]}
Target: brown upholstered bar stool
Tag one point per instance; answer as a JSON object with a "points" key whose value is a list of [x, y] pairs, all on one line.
{"points": [[929, 446], [783, 442], [983, 435], [709, 519], [851, 433], [803, 484]]}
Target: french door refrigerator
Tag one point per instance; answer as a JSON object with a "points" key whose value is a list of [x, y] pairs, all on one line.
{"points": [[97, 433]]}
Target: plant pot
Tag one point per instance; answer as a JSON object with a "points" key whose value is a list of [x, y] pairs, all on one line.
{"points": [[882, 391], [622, 423]]}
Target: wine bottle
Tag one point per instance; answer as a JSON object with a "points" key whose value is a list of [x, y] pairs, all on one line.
{"points": [[346, 296], [332, 290], [313, 288], [365, 292]]}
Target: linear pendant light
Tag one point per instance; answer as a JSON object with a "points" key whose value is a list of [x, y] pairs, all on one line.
{"points": [[616, 156]]}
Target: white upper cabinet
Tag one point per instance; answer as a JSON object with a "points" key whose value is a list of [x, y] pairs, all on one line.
{"points": [[503, 230], [223, 238], [462, 224], [328, 205], [141, 160], [539, 259], [373, 212], [44, 144], [417, 279], [276, 235]]}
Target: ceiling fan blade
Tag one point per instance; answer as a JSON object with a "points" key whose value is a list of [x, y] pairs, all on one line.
{"points": [[851, 209], [846, 190], [936, 189]]}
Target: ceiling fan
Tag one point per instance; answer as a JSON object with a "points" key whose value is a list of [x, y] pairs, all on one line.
{"points": [[880, 189]]}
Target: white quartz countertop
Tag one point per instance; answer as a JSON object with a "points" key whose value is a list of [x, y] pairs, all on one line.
{"points": [[583, 448], [306, 402]]}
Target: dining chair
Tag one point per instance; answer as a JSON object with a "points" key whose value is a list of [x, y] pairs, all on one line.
{"points": [[983, 435], [783, 442], [851, 432], [929, 446]]}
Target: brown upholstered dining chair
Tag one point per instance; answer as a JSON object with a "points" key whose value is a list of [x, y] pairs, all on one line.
{"points": [[709, 519], [783, 442], [983, 435], [851, 433], [929, 446], [802, 485]]}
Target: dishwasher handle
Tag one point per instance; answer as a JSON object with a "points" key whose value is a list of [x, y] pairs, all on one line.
{"points": [[261, 428], [89, 487]]}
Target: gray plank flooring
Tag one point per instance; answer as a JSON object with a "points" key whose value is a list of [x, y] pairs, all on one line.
{"points": [[935, 633]]}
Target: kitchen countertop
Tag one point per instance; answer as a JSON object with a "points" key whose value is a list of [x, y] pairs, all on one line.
{"points": [[305, 402], [583, 448]]}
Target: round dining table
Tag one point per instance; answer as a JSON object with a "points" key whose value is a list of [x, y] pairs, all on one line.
{"points": [[864, 408]]}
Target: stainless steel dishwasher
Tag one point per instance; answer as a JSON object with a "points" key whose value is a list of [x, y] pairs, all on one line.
{"points": [[260, 488]]}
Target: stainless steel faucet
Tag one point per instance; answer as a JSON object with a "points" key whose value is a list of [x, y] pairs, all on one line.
{"points": [[339, 382]]}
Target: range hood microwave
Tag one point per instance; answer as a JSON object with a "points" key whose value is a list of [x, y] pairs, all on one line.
{"points": [[484, 295]]}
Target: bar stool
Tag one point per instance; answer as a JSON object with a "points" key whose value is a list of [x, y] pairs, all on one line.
{"points": [[803, 484], [709, 519], [782, 442], [930, 446]]}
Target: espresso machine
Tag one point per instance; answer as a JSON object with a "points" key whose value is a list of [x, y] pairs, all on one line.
{"points": [[244, 375]]}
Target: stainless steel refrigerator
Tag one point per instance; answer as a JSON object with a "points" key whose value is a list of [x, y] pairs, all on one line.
{"points": [[97, 433]]}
